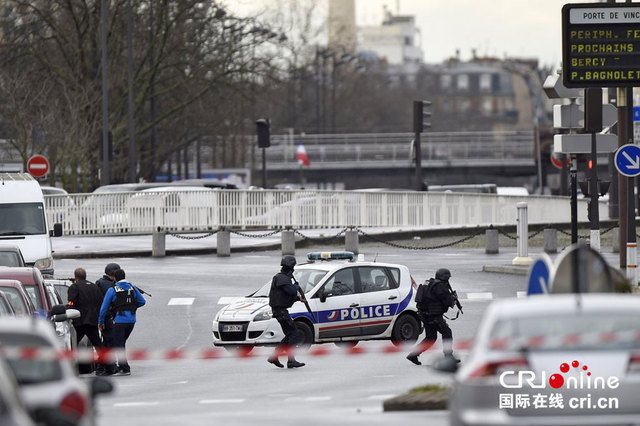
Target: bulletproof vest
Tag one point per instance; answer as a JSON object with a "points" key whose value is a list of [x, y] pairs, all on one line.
{"points": [[278, 298], [125, 300], [432, 304]]}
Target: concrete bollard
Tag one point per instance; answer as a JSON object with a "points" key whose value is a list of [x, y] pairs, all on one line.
{"points": [[159, 243], [351, 241], [523, 259], [288, 242], [615, 240], [491, 241], [223, 247], [550, 240]]}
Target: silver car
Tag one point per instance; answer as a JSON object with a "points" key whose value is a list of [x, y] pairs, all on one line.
{"points": [[49, 383], [549, 360]]}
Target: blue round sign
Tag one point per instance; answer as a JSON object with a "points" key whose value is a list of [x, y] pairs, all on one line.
{"points": [[539, 274], [627, 160]]}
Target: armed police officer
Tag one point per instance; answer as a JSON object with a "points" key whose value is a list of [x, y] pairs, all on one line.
{"points": [[125, 299], [283, 294], [435, 300], [107, 281]]}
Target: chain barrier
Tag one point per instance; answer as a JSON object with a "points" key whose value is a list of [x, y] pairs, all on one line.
{"points": [[320, 238], [389, 243], [268, 234], [196, 237]]}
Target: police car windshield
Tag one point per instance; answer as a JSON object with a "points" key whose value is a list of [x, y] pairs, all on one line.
{"points": [[307, 278]]}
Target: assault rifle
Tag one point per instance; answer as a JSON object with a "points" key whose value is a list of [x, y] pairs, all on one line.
{"points": [[303, 299], [142, 291], [458, 305]]}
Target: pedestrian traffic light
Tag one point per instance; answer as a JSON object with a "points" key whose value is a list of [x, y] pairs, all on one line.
{"points": [[264, 137], [421, 115]]}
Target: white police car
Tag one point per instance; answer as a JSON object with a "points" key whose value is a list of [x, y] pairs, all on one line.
{"points": [[349, 300]]}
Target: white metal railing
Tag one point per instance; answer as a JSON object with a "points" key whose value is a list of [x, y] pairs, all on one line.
{"points": [[202, 210]]}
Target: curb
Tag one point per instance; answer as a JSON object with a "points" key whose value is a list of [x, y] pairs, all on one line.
{"points": [[506, 269], [435, 400]]}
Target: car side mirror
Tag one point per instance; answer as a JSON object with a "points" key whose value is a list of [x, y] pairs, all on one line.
{"points": [[323, 296], [57, 229], [57, 310], [100, 385], [446, 364]]}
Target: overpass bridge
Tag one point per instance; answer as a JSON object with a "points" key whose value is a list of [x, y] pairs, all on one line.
{"points": [[353, 161]]}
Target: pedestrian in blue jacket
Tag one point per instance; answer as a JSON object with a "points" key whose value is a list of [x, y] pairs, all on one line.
{"points": [[125, 299]]}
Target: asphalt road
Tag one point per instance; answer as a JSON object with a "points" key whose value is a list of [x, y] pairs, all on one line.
{"points": [[334, 389]]}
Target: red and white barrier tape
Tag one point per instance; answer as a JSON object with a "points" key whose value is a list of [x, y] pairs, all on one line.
{"points": [[106, 355]]}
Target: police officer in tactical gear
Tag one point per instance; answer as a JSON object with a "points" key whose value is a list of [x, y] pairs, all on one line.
{"points": [[125, 299], [107, 281], [438, 299], [283, 294]]}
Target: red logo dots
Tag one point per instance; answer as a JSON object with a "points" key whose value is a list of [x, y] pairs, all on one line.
{"points": [[575, 364], [556, 381], [564, 367]]}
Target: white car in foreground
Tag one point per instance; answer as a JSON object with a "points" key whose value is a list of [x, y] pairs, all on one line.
{"points": [[570, 359], [49, 383], [350, 301]]}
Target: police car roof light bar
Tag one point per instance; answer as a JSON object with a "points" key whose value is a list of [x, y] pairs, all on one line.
{"points": [[330, 255]]}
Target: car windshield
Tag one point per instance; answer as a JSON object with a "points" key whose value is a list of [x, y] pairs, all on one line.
{"points": [[34, 295], [573, 324], [22, 219], [31, 371], [10, 258], [63, 291], [307, 278], [16, 301]]}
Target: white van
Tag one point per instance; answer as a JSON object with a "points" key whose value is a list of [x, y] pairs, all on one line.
{"points": [[23, 221]]}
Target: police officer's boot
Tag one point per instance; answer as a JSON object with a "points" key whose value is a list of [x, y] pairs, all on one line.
{"points": [[292, 363], [273, 359], [414, 358]]}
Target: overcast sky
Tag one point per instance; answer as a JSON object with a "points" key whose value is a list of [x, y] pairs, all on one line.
{"points": [[515, 28]]}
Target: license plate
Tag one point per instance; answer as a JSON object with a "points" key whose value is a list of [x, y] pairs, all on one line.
{"points": [[232, 327]]}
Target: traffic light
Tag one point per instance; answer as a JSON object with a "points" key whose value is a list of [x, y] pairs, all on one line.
{"points": [[421, 115], [264, 137]]}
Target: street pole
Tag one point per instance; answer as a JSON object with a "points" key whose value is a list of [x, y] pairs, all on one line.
{"points": [[104, 178], [264, 168], [132, 140], [623, 181], [418, 153], [593, 124], [574, 199]]}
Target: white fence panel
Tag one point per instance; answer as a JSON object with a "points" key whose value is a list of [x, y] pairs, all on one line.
{"points": [[204, 210]]}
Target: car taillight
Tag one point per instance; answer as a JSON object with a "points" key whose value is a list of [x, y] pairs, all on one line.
{"points": [[634, 363], [74, 404], [491, 369]]}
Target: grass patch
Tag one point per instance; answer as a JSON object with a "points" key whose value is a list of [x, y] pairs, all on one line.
{"points": [[430, 388]]}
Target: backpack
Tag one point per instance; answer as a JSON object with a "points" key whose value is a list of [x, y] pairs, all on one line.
{"points": [[423, 295]]}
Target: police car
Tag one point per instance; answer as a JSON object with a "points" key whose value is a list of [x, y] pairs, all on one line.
{"points": [[349, 299]]}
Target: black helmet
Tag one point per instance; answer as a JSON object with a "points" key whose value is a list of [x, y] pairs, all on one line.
{"points": [[443, 274], [111, 268], [288, 260]]}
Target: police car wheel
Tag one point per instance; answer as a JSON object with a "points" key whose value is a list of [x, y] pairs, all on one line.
{"points": [[305, 334], [406, 329]]}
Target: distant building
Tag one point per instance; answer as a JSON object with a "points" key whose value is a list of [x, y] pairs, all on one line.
{"points": [[396, 41], [342, 25]]}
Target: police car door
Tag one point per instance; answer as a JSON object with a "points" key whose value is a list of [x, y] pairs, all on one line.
{"points": [[338, 303], [379, 298]]}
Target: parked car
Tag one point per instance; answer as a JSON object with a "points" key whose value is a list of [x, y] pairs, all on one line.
{"points": [[50, 383], [570, 359], [17, 297], [5, 307], [10, 255], [12, 408], [64, 329], [350, 301], [33, 282]]}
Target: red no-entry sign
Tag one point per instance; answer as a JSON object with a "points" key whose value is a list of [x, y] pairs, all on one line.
{"points": [[38, 166]]}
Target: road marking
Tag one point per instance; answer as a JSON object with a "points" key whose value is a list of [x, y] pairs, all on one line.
{"points": [[227, 300], [136, 404], [380, 397], [181, 301], [186, 257], [222, 401], [521, 294], [479, 296], [255, 256]]}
